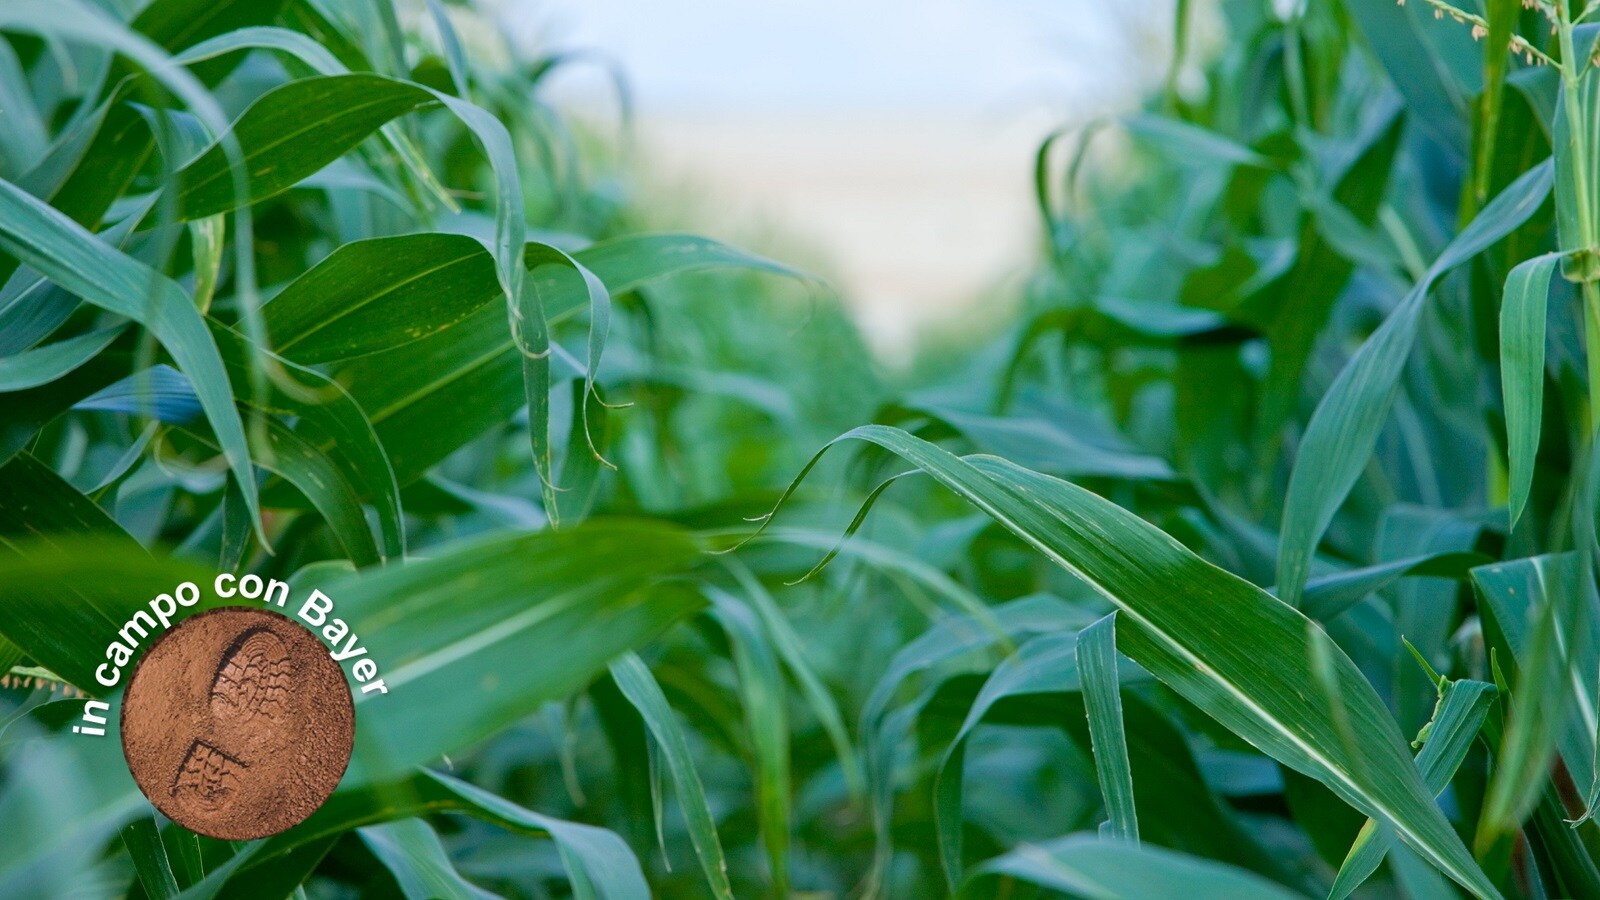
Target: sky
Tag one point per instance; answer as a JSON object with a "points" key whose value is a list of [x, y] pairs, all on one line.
{"points": [[891, 138], [905, 55]]}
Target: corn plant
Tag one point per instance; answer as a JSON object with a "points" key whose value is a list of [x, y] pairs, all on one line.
{"points": [[1257, 559]]}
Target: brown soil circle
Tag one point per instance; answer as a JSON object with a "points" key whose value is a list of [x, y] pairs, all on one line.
{"points": [[237, 724]]}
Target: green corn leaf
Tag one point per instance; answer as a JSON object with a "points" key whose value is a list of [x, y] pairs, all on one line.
{"points": [[412, 853], [149, 855], [275, 135], [1454, 727], [767, 723], [1296, 307], [1515, 593], [26, 140], [1042, 444], [1183, 621], [1345, 427], [789, 647], [1102, 695], [581, 469], [344, 109], [324, 62], [380, 293], [955, 637], [176, 24], [1550, 600], [1502, 17], [1102, 869], [639, 686], [45, 364], [531, 333], [64, 252], [1048, 664], [332, 435], [183, 852], [1186, 141], [94, 585], [302, 464], [598, 863], [36, 504], [331, 454], [31, 307], [1522, 340], [945, 644], [1329, 596], [454, 56]]}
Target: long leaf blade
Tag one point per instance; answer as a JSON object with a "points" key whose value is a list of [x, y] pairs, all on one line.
{"points": [[1102, 696], [1522, 339], [1183, 621]]}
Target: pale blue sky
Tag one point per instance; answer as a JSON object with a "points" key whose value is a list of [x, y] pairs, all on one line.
{"points": [[877, 133], [914, 55]]}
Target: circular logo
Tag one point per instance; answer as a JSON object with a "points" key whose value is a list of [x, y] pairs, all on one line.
{"points": [[237, 724]]}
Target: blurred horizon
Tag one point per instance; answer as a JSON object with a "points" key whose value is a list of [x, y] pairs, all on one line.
{"points": [[901, 167]]}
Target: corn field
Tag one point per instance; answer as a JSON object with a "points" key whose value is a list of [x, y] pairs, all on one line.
{"points": [[1255, 558]]}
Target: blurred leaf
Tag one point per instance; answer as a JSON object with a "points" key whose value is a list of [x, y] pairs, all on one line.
{"points": [[1432, 95], [451, 43], [598, 863], [767, 724], [1046, 664], [431, 396], [331, 454], [143, 840], [1329, 596], [1502, 16], [411, 851], [1296, 308], [159, 392], [1185, 141], [45, 364], [64, 799], [36, 504], [176, 24], [790, 648], [1104, 869], [1514, 592], [1046, 445], [63, 599], [639, 686]]}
